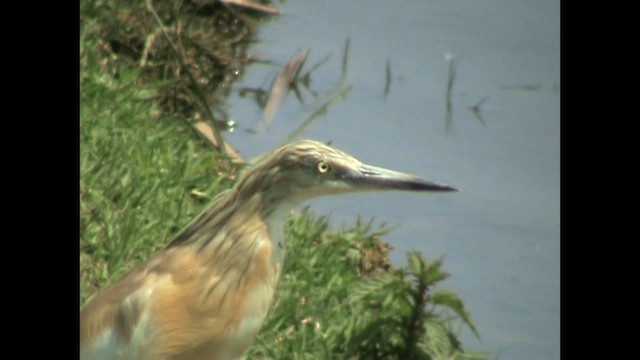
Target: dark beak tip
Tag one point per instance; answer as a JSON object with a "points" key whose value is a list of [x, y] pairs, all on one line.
{"points": [[435, 187], [447, 189]]}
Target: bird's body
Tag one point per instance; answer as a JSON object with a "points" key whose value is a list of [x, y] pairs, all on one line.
{"points": [[206, 295]]}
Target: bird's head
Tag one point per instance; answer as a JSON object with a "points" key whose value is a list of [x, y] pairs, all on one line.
{"points": [[306, 169]]}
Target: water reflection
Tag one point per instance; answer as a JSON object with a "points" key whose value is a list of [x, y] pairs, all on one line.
{"points": [[387, 82], [287, 76], [477, 110], [528, 87], [450, 80], [287, 80]]}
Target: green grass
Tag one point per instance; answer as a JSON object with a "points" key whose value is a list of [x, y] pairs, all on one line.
{"points": [[340, 298], [144, 174]]}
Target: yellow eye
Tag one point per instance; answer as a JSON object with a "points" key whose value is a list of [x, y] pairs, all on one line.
{"points": [[323, 167]]}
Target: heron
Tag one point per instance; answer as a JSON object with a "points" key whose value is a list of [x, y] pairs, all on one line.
{"points": [[207, 293]]}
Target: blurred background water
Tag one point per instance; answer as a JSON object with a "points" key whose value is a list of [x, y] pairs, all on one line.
{"points": [[501, 233]]}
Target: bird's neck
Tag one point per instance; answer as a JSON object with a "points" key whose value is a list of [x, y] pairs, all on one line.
{"points": [[233, 219], [275, 222]]}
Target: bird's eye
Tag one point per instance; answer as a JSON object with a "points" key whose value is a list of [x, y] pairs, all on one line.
{"points": [[323, 167]]}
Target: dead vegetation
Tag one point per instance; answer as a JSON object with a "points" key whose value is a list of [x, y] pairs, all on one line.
{"points": [[211, 40]]}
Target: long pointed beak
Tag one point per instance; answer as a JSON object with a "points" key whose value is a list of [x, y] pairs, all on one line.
{"points": [[367, 177]]}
